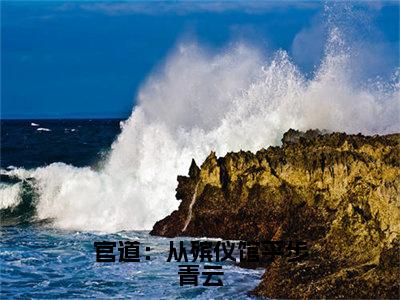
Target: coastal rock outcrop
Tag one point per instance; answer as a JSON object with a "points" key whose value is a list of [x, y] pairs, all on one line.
{"points": [[340, 193]]}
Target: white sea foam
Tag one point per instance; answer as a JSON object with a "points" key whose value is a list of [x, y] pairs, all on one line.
{"points": [[198, 102], [43, 129], [9, 195], [34, 124]]}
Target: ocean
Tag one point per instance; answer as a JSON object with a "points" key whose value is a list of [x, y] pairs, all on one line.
{"points": [[66, 184], [40, 261]]}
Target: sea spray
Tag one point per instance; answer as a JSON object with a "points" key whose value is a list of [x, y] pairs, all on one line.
{"points": [[190, 212], [198, 102]]}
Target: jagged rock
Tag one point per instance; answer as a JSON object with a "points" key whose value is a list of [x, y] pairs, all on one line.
{"points": [[338, 192], [194, 170]]}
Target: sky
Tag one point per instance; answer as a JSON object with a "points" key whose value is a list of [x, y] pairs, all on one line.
{"points": [[89, 59]]}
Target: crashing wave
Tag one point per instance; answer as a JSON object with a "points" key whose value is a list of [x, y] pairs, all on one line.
{"points": [[198, 102]]}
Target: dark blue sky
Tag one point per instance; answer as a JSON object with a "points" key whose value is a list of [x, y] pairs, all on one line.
{"points": [[88, 59]]}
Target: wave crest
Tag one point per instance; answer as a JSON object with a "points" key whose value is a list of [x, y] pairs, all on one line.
{"points": [[198, 102]]}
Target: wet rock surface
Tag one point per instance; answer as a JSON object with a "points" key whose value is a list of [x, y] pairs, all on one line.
{"points": [[338, 192]]}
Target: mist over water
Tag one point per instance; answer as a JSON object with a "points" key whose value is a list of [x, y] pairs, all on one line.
{"points": [[198, 101]]}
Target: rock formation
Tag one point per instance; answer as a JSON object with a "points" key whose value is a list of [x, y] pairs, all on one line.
{"points": [[338, 192]]}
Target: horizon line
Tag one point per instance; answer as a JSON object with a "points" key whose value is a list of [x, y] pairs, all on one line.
{"points": [[63, 118]]}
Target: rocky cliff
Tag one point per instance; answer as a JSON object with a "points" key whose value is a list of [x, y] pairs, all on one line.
{"points": [[337, 192]]}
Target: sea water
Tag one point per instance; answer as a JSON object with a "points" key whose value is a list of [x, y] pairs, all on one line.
{"points": [[40, 261], [198, 102], [63, 183]]}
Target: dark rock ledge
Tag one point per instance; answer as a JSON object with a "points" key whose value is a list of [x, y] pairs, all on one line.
{"points": [[338, 192]]}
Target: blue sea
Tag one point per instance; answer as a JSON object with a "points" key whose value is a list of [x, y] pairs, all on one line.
{"points": [[38, 260]]}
